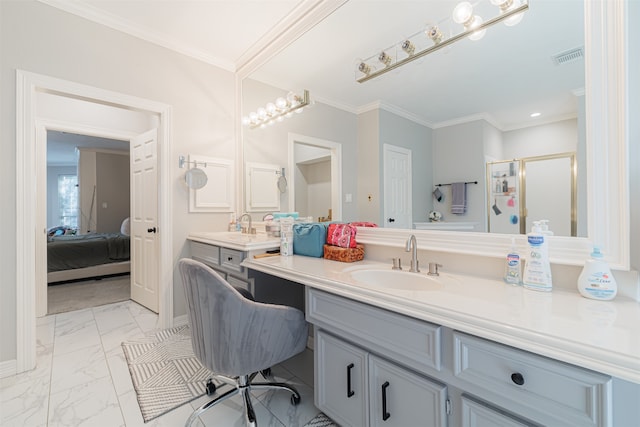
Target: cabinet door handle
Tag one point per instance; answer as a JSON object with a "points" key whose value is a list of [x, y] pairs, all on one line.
{"points": [[385, 414], [517, 378], [349, 391]]}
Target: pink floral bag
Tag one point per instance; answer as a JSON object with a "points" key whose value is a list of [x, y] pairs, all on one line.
{"points": [[343, 235]]}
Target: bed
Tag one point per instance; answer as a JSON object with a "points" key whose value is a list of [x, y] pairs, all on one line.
{"points": [[72, 257]]}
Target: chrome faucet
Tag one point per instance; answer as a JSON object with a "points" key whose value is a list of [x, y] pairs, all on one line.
{"points": [[412, 246], [247, 230]]}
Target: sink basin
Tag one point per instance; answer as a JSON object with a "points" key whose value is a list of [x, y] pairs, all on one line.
{"points": [[396, 280]]}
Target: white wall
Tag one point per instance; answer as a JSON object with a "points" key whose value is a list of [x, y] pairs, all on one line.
{"points": [[634, 134], [41, 39]]}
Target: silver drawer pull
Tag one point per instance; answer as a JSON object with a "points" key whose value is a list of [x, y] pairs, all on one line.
{"points": [[517, 378]]}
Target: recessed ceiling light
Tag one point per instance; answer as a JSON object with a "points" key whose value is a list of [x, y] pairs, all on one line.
{"points": [[535, 115]]}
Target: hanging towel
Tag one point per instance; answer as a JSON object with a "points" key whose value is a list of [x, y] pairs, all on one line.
{"points": [[458, 198]]}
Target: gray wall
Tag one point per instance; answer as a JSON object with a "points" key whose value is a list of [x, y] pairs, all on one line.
{"points": [[368, 162], [401, 132], [270, 145], [112, 191], [41, 39], [458, 154]]}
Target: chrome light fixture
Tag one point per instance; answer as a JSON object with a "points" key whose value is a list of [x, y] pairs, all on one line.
{"points": [[277, 111], [511, 13]]}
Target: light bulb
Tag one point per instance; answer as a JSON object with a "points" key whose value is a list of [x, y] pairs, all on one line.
{"points": [[246, 121], [271, 108], [288, 115], [384, 58], [364, 68], [476, 35], [515, 19], [281, 103], [279, 119], [462, 13], [408, 47], [253, 117], [262, 113]]}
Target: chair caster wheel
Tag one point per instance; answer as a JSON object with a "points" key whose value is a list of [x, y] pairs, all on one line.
{"points": [[295, 400], [211, 387]]}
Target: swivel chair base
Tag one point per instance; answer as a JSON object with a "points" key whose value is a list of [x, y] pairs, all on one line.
{"points": [[242, 386]]}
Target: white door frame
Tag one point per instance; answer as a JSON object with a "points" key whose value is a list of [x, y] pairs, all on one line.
{"points": [[27, 86], [336, 170]]}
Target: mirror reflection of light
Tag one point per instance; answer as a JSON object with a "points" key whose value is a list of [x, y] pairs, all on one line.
{"points": [[534, 115]]}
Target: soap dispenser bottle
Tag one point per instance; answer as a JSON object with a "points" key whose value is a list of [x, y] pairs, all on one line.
{"points": [[596, 280], [537, 271], [512, 268]]}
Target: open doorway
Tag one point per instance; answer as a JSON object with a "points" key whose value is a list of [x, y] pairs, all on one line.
{"points": [[34, 100], [315, 167], [87, 218]]}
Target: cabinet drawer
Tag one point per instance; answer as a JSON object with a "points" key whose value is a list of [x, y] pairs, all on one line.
{"points": [[413, 342], [476, 414], [231, 259], [207, 254], [576, 396], [239, 283]]}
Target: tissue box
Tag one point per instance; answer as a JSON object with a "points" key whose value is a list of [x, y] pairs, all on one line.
{"points": [[308, 239], [337, 253]]}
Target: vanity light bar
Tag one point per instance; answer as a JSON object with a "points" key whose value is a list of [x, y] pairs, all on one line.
{"points": [[278, 111], [369, 74]]}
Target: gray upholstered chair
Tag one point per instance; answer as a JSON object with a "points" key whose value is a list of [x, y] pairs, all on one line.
{"points": [[235, 338]]}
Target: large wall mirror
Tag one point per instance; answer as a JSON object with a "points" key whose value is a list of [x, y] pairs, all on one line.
{"points": [[456, 111]]}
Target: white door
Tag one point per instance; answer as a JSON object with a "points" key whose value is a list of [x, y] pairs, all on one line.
{"points": [[397, 187], [144, 224]]}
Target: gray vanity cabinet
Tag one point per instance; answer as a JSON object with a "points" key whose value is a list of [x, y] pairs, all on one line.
{"points": [[418, 373], [357, 388], [476, 414], [399, 397], [225, 261], [341, 380]]}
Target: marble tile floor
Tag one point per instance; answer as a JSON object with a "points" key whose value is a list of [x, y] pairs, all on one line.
{"points": [[82, 379]]}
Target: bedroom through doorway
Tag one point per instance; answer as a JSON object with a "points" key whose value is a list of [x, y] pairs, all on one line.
{"points": [[87, 217]]}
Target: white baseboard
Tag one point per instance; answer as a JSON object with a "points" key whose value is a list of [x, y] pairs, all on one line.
{"points": [[8, 368]]}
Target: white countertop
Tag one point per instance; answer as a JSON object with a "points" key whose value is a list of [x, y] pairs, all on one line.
{"points": [[599, 335], [236, 240]]}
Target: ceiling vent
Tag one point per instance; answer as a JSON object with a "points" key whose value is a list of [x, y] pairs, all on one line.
{"points": [[567, 56]]}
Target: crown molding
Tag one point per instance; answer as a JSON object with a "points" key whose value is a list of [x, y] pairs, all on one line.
{"points": [[306, 15]]}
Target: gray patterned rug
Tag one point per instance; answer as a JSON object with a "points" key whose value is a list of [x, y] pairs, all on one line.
{"points": [[166, 374]]}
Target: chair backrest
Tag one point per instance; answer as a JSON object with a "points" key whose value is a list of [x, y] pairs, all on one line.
{"points": [[232, 335]]}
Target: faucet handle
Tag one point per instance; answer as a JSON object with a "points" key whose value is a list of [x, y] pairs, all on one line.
{"points": [[397, 264], [433, 269]]}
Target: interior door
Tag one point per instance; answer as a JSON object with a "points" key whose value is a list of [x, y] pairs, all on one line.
{"points": [[144, 215], [397, 187]]}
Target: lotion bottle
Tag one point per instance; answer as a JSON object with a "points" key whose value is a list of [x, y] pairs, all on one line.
{"points": [[596, 280], [537, 271], [512, 268]]}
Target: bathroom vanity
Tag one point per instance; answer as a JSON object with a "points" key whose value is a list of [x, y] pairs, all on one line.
{"points": [[398, 348], [225, 252]]}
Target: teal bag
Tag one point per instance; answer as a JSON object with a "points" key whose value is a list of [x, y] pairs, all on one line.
{"points": [[309, 239]]}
